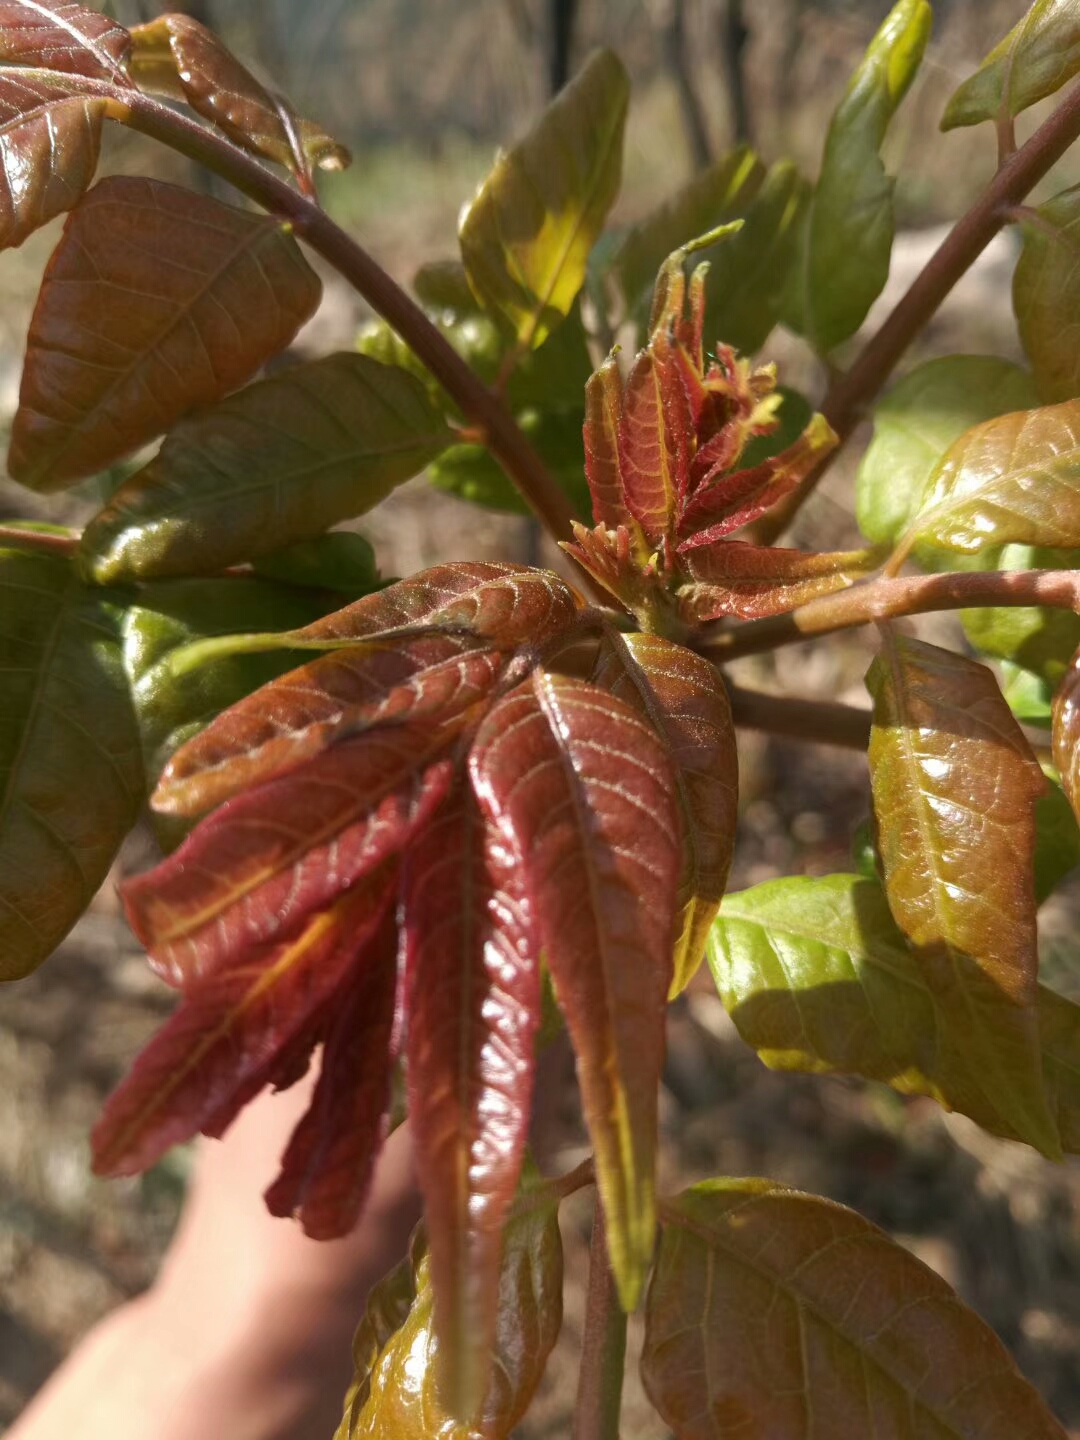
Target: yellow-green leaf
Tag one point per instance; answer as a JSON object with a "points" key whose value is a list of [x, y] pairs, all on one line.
{"points": [[1036, 57], [1045, 295]]}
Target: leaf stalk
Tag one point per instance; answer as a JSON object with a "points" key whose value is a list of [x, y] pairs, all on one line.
{"points": [[603, 1346]]}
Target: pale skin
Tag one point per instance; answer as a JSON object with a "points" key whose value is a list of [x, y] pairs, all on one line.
{"points": [[246, 1333]]}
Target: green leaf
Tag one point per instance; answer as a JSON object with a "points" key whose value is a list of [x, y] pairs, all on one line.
{"points": [[1036, 58], [794, 415], [155, 301], [1028, 696], [955, 785], [774, 1313], [70, 772], [341, 560], [525, 239], [1014, 480], [1040, 639], [1045, 296], [847, 230], [394, 1395], [721, 192], [748, 273], [172, 706], [280, 461], [472, 472], [915, 425], [1057, 841], [818, 978]]}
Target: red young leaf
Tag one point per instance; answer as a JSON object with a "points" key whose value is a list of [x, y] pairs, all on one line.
{"points": [[733, 577], [685, 700], [296, 717], [722, 503], [611, 558], [59, 36], [603, 404], [233, 1024], [155, 301], [326, 1169], [583, 790], [1066, 732], [473, 982], [48, 153], [258, 866], [654, 440]]}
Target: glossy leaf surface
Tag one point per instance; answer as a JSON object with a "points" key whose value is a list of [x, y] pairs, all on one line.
{"points": [[1044, 292], [817, 977], [1039, 55], [917, 422], [1066, 732], [769, 1308], [70, 39], [1041, 639], [327, 1166], [526, 237], [229, 1029], [955, 786], [583, 790], [395, 1395], [279, 462], [156, 300], [734, 577], [848, 227], [1014, 480], [177, 56], [262, 862], [49, 148], [685, 701], [70, 769], [473, 979]]}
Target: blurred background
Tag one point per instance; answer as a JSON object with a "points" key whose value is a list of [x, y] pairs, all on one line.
{"points": [[422, 93]]}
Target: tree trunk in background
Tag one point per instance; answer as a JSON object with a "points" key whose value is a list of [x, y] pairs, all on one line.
{"points": [[674, 41], [560, 42], [733, 37]]}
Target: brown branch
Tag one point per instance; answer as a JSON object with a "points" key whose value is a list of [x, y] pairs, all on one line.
{"points": [[887, 599], [820, 721], [603, 1346], [482, 408], [39, 539], [851, 393]]}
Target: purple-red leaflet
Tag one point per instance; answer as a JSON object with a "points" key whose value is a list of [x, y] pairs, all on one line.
{"points": [[655, 434], [733, 577]]}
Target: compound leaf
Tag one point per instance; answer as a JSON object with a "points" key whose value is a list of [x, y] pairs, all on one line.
{"points": [[584, 791], [955, 787], [848, 225], [1014, 480], [817, 977], [473, 996], [685, 701], [176, 56], [526, 237], [156, 300], [217, 1047], [1036, 57], [395, 1395], [1045, 296], [279, 462], [917, 422], [70, 770], [770, 1309]]}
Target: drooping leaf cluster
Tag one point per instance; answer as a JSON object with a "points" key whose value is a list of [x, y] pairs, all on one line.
{"points": [[393, 815]]}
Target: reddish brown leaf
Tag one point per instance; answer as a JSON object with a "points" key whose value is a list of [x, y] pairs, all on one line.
{"points": [[732, 577], [654, 440], [1066, 732], [473, 980], [48, 153], [583, 789], [326, 1169], [256, 868], [68, 38], [722, 503], [156, 300], [685, 701], [234, 1023], [603, 404], [177, 56], [294, 718]]}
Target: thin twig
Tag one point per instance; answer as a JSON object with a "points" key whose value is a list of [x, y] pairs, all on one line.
{"points": [[823, 721], [887, 598], [851, 393], [603, 1346], [39, 539]]}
